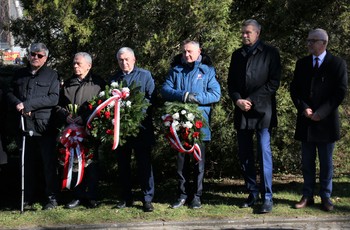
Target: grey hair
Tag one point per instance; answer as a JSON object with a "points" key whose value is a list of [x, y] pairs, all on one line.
{"points": [[124, 50], [85, 55], [321, 33], [39, 47], [188, 41], [252, 22]]}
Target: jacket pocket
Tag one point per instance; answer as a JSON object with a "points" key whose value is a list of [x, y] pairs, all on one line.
{"points": [[41, 125], [41, 120], [42, 88]]}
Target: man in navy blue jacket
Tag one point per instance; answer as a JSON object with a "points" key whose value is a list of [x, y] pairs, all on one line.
{"points": [[192, 79], [142, 144]]}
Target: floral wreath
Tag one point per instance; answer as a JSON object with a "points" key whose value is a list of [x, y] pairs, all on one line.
{"points": [[117, 113], [182, 124], [75, 151]]}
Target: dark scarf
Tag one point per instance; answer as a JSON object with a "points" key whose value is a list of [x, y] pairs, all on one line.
{"points": [[250, 49]]}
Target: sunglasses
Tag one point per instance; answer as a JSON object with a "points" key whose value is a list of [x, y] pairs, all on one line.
{"points": [[38, 55]]}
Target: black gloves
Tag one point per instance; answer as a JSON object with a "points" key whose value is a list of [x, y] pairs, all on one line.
{"points": [[191, 98]]}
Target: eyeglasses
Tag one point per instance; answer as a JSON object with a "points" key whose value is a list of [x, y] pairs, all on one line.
{"points": [[38, 55], [313, 41]]}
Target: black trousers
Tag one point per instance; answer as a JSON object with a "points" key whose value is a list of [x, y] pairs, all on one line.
{"points": [[142, 150], [88, 187], [187, 166], [40, 168]]}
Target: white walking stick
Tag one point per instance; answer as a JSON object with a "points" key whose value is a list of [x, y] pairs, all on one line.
{"points": [[24, 133]]}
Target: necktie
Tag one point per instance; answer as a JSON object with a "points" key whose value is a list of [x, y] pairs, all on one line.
{"points": [[316, 63], [315, 75]]}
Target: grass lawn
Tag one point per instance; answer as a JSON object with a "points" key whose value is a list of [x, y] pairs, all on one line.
{"points": [[221, 200]]}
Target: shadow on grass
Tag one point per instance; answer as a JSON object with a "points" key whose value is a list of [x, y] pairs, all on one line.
{"points": [[216, 192]]}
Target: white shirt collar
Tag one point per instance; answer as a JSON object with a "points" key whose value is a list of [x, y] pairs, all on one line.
{"points": [[320, 57]]}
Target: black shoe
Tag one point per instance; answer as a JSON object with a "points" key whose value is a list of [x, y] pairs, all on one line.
{"points": [[50, 205], [178, 203], [124, 204], [147, 206], [250, 201], [327, 204], [305, 201], [266, 207], [92, 204], [72, 204], [196, 203]]}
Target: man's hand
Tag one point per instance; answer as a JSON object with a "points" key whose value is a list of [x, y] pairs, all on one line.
{"points": [[315, 117], [69, 119], [27, 114], [20, 107], [78, 120], [244, 104], [192, 99], [308, 112]]}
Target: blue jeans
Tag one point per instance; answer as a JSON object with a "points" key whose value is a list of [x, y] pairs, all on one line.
{"points": [[325, 156], [247, 161]]}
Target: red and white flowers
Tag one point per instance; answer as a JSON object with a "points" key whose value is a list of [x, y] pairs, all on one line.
{"points": [[117, 113], [183, 123]]}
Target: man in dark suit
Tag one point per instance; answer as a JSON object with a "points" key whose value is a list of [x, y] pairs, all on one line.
{"points": [[319, 86], [254, 77]]}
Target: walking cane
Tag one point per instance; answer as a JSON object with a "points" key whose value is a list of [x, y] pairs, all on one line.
{"points": [[24, 133]]}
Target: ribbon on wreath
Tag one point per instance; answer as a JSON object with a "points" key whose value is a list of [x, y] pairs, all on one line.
{"points": [[176, 143], [116, 100], [71, 138]]}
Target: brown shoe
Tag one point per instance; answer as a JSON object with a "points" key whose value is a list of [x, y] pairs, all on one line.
{"points": [[327, 204], [304, 201]]}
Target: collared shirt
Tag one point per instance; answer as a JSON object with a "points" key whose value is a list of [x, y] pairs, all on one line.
{"points": [[320, 58]]}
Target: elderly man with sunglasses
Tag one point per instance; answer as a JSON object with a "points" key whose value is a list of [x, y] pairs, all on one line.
{"points": [[34, 93]]}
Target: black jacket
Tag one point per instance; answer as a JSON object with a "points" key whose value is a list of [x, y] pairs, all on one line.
{"points": [[329, 89], [79, 93], [255, 77], [39, 94]]}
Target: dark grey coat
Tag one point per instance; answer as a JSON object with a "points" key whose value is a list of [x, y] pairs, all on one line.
{"points": [[255, 77], [329, 89], [79, 93]]}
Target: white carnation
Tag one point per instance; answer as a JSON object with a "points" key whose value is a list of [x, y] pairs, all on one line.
{"points": [[183, 112], [128, 104], [125, 89], [188, 125], [114, 84], [177, 125], [176, 116], [101, 94], [190, 116]]}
